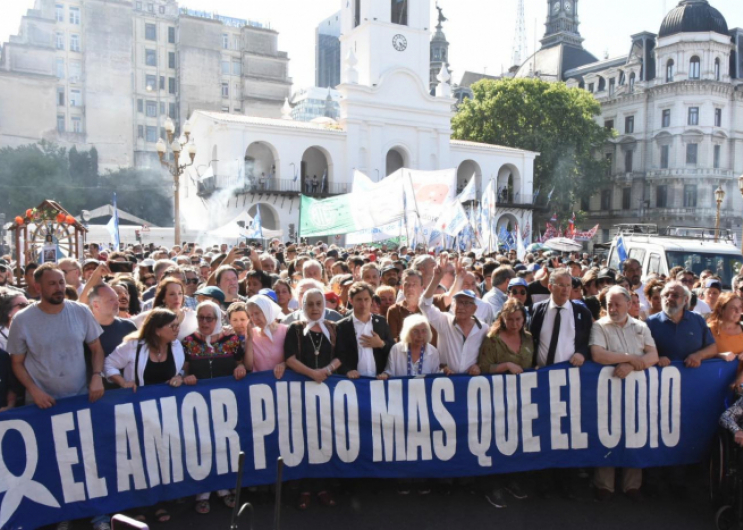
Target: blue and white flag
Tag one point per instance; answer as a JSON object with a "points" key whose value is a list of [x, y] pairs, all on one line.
{"points": [[324, 181], [504, 237], [453, 219], [520, 247], [113, 226], [469, 193], [621, 249], [487, 216], [255, 230]]}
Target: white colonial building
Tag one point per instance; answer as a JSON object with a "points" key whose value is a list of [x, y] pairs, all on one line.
{"points": [[388, 120]]}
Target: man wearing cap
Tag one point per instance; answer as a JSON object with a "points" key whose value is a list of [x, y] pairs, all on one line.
{"points": [[605, 278], [498, 295], [460, 333], [708, 301], [210, 294], [6, 276], [389, 276], [517, 290]]}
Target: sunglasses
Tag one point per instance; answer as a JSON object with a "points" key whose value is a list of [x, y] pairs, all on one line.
{"points": [[201, 318], [193, 281], [521, 292]]}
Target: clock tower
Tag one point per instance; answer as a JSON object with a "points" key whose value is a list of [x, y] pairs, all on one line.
{"points": [[384, 35], [562, 24]]}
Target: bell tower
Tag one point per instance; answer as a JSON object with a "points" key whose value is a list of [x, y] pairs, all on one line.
{"points": [[382, 35], [562, 24]]}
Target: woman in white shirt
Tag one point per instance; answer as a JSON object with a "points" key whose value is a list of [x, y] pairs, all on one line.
{"points": [[170, 295], [414, 355]]}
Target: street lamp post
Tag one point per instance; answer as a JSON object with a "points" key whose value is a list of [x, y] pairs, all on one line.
{"points": [[719, 196], [175, 168]]}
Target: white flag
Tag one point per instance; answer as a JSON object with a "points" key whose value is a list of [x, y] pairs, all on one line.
{"points": [[469, 193]]}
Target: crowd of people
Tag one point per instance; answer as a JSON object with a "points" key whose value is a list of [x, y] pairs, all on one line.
{"points": [[175, 316]]}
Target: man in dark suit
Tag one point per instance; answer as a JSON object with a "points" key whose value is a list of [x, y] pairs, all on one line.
{"points": [[363, 340], [561, 329]]}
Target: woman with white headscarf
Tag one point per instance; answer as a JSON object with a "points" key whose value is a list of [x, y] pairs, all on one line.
{"points": [[212, 352], [309, 349], [268, 335]]}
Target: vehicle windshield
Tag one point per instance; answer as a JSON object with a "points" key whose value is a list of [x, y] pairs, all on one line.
{"points": [[726, 266]]}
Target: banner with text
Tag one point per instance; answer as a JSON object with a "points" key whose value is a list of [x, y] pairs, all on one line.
{"points": [[134, 449]]}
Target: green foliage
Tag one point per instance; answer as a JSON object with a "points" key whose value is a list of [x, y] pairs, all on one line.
{"points": [[547, 118], [32, 173]]}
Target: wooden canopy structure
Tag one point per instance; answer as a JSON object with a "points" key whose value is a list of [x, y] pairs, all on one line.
{"points": [[33, 230]]}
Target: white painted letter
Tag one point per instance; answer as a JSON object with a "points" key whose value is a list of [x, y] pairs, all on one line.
{"points": [[347, 445], [480, 419], [529, 413], [198, 448], [66, 457], [263, 416], [224, 423], [388, 421], [506, 413], [127, 441], [445, 439]]}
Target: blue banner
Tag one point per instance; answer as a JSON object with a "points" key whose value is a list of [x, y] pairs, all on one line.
{"points": [[133, 449]]}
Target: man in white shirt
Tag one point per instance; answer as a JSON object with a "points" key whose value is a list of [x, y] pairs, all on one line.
{"points": [[460, 333]]}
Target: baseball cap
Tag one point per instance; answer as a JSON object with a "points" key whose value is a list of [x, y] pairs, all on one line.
{"points": [[211, 292], [332, 297], [517, 282], [466, 294], [713, 283], [607, 274], [389, 268], [269, 293]]}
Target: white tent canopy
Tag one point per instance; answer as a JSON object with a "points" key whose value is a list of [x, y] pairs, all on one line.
{"points": [[232, 230]]}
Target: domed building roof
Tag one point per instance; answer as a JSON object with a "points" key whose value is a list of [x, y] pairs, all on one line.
{"points": [[693, 16]]}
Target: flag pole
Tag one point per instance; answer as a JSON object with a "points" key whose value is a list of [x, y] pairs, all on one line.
{"points": [[299, 228]]}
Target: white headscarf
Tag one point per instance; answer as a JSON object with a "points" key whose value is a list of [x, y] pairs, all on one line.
{"points": [[311, 323], [217, 313], [271, 311]]}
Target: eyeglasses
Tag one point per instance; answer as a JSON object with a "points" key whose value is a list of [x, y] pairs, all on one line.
{"points": [[202, 318], [193, 281], [175, 326]]}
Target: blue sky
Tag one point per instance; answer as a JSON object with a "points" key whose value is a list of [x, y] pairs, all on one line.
{"points": [[480, 32]]}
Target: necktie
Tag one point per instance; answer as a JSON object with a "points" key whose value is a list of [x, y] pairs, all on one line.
{"points": [[553, 341]]}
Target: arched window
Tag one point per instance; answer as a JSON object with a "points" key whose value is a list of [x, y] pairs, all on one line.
{"points": [[718, 72], [670, 70], [695, 68], [622, 78], [602, 84], [400, 12], [632, 82]]}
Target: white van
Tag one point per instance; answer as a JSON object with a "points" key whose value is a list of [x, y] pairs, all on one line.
{"points": [[689, 247]]}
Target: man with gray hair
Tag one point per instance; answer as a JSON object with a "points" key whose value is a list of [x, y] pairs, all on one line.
{"points": [[498, 294], [312, 270], [680, 334], [618, 339]]}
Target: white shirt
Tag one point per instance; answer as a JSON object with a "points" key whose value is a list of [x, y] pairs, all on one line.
{"points": [[4, 338], [566, 341], [456, 351], [397, 363], [640, 291], [702, 308], [366, 365]]}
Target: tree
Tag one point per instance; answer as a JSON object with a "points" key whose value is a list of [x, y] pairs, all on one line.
{"points": [[549, 118]]}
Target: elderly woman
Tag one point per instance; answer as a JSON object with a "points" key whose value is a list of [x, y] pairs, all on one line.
{"points": [[414, 355], [151, 356], [724, 323], [267, 334], [211, 352], [309, 349], [507, 348], [170, 295]]}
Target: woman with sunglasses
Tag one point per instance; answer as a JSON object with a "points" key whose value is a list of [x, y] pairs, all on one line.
{"points": [[171, 295], [212, 352], [150, 356], [10, 303]]}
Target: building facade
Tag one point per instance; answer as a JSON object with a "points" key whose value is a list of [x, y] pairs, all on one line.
{"points": [[328, 52], [388, 121], [315, 102], [64, 79]]}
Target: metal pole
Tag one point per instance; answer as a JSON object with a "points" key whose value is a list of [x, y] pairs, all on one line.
{"points": [[238, 488], [717, 224], [177, 200], [277, 501]]}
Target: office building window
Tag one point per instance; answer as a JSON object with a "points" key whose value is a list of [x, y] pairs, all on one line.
{"points": [[150, 32], [661, 196], [632, 82], [629, 125], [150, 57], [626, 198], [60, 123], [140, 131], [225, 90], [664, 152], [225, 68], [718, 117], [75, 15], [610, 164], [666, 118], [171, 85], [139, 6], [76, 98], [60, 96], [716, 156], [357, 13], [693, 115], [162, 82], [150, 83], [171, 35], [612, 86], [690, 196], [225, 41], [718, 70], [400, 12], [236, 43], [60, 41], [60, 68], [77, 124], [670, 70], [74, 42], [225, 109], [76, 70], [591, 87], [151, 134], [695, 68], [691, 154], [606, 200], [151, 8], [609, 124], [628, 160], [140, 106], [163, 134], [59, 11], [171, 110], [161, 10], [237, 68], [171, 59], [162, 108], [151, 109]]}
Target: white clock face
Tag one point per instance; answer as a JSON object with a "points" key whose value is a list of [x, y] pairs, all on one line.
{"points": [[399, 42], [556, 7], [568, 7]]}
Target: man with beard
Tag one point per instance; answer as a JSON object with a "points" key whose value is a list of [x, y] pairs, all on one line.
{"points": [[618, 339], [632, 270], [6, 276], [680, 334]]}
